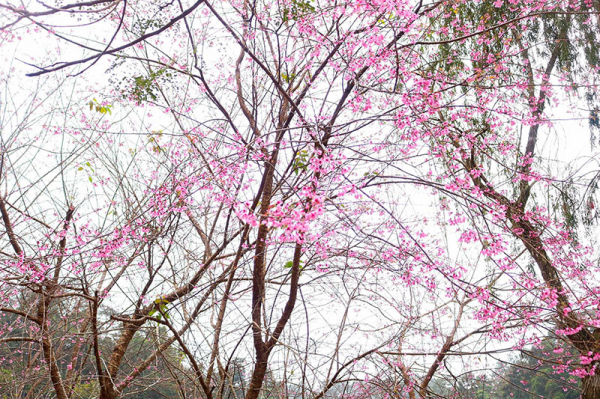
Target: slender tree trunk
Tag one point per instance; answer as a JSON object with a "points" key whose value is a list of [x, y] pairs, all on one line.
{"points": [[258, 376]]}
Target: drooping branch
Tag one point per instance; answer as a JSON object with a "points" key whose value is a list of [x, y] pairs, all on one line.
{"points": [[142, 38]]}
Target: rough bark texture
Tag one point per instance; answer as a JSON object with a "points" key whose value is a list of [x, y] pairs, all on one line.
{"points": [[591, 387], [107, 381]]}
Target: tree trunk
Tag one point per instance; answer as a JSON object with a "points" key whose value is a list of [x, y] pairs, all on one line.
{"points": [[258, 376], [591, 386]]}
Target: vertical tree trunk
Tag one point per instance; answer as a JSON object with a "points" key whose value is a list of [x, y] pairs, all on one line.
{"points": [[591, 386], [258, 376]]}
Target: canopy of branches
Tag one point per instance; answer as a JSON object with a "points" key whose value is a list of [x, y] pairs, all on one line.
{"points": [[299, 198]]}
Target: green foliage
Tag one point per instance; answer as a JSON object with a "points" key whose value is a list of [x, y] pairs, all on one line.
{"points": [[87, 390], [142, 26], [528, 376], [289, 264], [160, 305], [568, 206], [300, 162], [594, 119], [383, 22], [575, 206], [103, 109], [154, 141], [532, 375], [298, 10], [6, 376], [543, 36], [466, 386], [145, 88], [86, 164], [288, 78], [79, 169]]}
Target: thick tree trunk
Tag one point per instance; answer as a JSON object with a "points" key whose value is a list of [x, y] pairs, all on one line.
{"points": [[591, 387]]}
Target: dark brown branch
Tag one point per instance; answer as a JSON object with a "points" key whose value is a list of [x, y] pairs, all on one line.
{"points": [[9, 229], [62, 65]]}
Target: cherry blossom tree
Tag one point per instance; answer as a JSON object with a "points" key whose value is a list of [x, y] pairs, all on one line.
{"points": [[518, 203], [330, 197]]}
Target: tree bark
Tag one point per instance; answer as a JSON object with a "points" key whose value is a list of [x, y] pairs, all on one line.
{"points": [[591, 386]]}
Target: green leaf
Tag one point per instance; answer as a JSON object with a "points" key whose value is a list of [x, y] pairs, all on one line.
{"points": [[298, 10], [300, 162], [103, 109], [159, 301], [289, 264]]}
